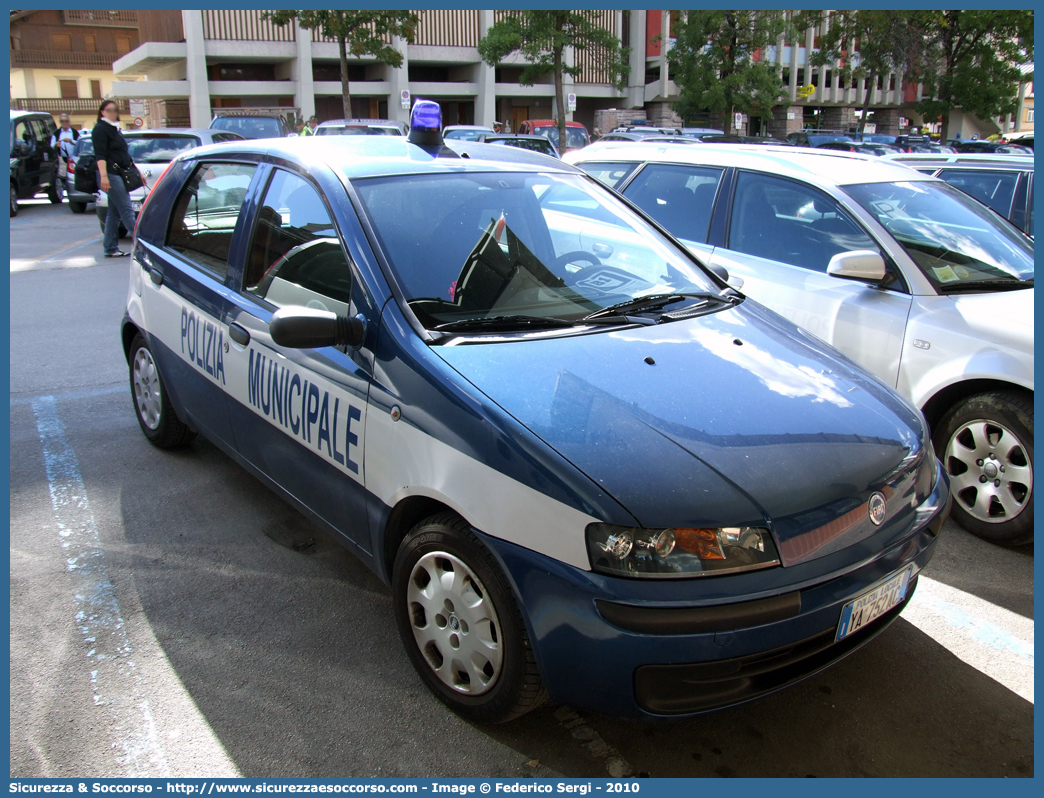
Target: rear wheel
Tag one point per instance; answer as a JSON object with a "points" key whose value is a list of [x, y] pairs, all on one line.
{"points": [[77, 207], [460, 624], [155, 414], [986, 445], [56, 192], [14, 201]]}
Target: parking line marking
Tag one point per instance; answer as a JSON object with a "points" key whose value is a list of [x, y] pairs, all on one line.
{"points": [[26, 264], [113, 675], [88, 393], [35, 218], [993, 640]]}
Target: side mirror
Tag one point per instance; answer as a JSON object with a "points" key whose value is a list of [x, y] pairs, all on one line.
{"points": [[298, 327], [20, 149], [864, 265], [719, 271]]}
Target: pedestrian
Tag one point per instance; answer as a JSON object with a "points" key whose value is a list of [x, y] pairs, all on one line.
{"points": [[498, 127], [309, 129], [113, 160], [299, 127], [63, 142]]}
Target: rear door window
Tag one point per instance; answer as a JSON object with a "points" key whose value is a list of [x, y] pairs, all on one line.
{"points": [[205, 215], [681, 198], [789, 222]]}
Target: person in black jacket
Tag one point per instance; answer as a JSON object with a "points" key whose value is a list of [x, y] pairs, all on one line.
{"points": [[113, 160]]}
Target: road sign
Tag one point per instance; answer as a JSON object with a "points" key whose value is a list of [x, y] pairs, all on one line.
{"points": [[571, 102], [137, 107], [138, 122], [739, 121], [405, 96]]}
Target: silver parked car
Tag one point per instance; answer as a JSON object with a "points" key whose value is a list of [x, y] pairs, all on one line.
{"points": [[152, 151], [910, 277], [361, 127]]}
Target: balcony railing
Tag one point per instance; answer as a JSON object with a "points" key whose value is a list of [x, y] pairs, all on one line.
{"points": [[48, 59], [101, 19], [56, 105], [245, 25]]}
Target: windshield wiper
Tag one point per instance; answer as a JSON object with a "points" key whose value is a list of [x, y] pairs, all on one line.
{"points": [[656, 302], [502, 323], [991, 285]]}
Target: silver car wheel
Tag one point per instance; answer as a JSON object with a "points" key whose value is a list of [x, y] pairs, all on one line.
{"points": [[455, 624], [147, 391], [991, 475]]}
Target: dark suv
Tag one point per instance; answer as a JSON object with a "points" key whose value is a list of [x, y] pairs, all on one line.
{"points": [[253, 125], [34, 164]]}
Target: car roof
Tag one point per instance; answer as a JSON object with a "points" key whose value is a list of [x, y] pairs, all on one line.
{"points": [[18, 114], [825, 167], [545, 122], [179, 131], [357, 121], [992, 160], [378, 156], [468, 127]]}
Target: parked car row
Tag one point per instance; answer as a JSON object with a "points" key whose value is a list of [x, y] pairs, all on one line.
{"points": [[908, 276], [585, 465]]}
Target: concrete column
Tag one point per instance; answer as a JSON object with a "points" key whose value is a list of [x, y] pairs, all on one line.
{"points": [[196, 69], [781, 42], [486, 80], [636, 80], [810, 38], [304, 91], [398, 79], [821, 89], [793, 70]]}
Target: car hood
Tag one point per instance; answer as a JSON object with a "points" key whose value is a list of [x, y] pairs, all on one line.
{"points": [[730, 419]]}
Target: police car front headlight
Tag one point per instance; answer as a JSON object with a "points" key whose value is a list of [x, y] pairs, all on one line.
{"points": [[678, 552]]}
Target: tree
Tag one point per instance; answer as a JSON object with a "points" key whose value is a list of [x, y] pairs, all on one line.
{"points": [[541, 37], [978, 66], [360, 33], [871, 44], [713, 63]]}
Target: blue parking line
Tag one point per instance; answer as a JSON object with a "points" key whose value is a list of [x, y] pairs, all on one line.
{"points": [[35, 218], [984, 632]]}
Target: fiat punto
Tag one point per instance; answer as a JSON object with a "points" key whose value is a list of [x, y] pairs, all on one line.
{"points": [[595, 474]]}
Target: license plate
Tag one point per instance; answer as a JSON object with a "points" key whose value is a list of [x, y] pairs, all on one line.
{"points": [[136, 206], [874, 603]]}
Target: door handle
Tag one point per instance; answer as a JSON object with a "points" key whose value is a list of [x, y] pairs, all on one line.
{"points": [[602, 250], [238, 334], [156, 276]]}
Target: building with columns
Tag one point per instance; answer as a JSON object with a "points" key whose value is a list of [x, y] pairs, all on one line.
{"points": [[192, 64]]}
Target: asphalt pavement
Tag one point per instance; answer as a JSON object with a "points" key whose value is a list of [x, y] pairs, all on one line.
{"points": [[172, 617]]}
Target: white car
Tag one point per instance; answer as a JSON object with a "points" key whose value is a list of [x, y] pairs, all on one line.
{"points": [[911, 278], [152, 151]]}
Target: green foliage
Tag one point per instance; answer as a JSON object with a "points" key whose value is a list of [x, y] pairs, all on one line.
{"points": [[887, 41], [977, 70], [541, 37], [713, 64], [362, 32]]}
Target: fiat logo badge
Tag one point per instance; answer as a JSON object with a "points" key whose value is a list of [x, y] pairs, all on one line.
{"points": [[877, 508]]}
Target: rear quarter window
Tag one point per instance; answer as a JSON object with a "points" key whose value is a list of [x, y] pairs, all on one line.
{"points": [[610, 174]]}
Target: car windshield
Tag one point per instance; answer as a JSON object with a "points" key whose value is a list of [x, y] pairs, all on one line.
{"points": [[956, 241], [465, 134], [536, 145], [160, 148], [815, 139], [522, 246], [576, 137], [84, 146], [356, 130], [250, 127]]}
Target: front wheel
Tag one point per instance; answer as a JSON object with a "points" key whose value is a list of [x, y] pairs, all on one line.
{"points": [[55, 192], [14, 201], [460, 624], [985, 443], [77, 207], [153, 409]]}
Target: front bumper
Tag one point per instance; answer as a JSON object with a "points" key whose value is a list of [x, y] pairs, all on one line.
{"points": [[689, 646]]}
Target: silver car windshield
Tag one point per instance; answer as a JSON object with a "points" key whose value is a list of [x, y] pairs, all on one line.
{"points": [[957, 242], [467, 247]]}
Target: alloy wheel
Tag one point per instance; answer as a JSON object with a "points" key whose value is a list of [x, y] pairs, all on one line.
{"points": [[991, 475], [147, 394]]}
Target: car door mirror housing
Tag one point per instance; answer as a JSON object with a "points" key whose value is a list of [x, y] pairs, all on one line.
{"points": [[864, 265], [20, 149], [308, 328], [719, 271]]}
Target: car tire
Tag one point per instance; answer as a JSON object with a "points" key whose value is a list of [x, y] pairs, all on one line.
{"points": [[474, 619], [55, 193], [152, 407], [14, 201], [77, 207], [985, 443]]}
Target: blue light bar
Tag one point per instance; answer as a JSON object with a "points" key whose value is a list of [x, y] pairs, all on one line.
{"points": [[426, 124]]}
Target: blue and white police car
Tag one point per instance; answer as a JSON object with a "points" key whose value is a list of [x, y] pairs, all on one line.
{"points": [[587, 467]]}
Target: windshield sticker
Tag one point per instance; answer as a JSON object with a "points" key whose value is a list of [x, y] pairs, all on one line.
{"points": [[946, 274], [961, 272]]}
